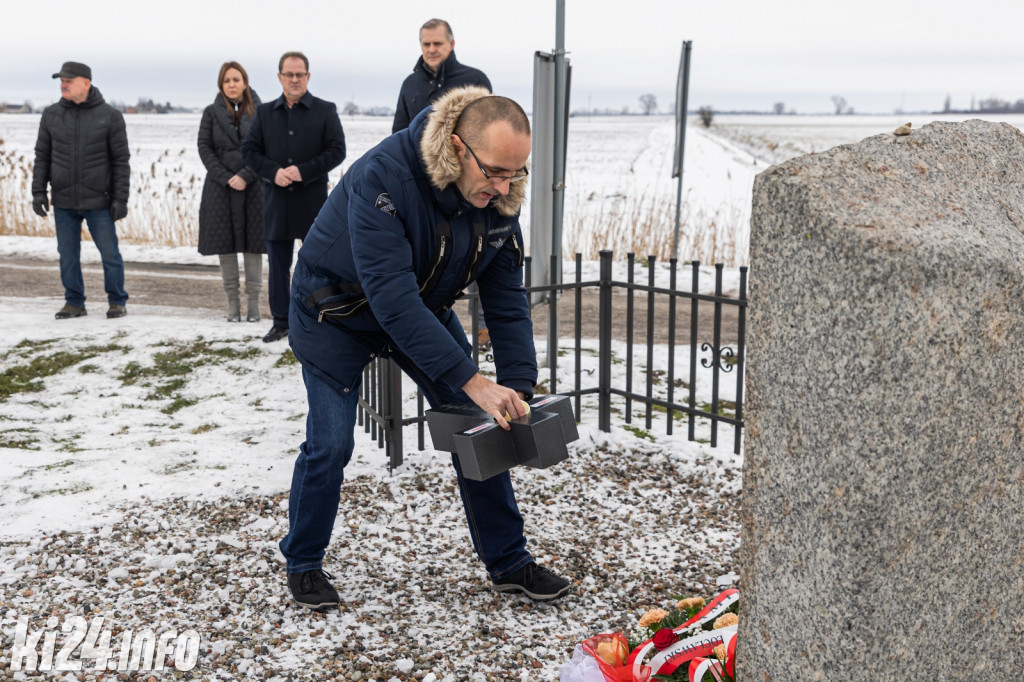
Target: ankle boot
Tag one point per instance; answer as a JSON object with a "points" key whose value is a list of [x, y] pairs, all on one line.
{"points": [[229, 273], [253, 285]]}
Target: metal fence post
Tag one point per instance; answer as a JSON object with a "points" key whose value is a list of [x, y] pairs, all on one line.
{"points": [[392, 408], [604, 344]]}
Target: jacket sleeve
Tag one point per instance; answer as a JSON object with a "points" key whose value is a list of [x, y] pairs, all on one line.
{"points": [[401, 113], [254, 150], [44, 149], [119, 155], [208, 153], [333, 147], [507, 312], [384, 263]]}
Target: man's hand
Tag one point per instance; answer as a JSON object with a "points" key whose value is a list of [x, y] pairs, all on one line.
{"points": [[494, 399], [236, 182], [40, 205], [281, 178], [118, 210], [293, 173]]}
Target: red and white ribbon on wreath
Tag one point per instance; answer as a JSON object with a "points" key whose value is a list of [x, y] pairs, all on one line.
{"points": [[700, 666], [702, 644]]}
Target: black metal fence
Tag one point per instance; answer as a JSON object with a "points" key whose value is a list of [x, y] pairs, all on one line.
{"points": [[713, 334]]}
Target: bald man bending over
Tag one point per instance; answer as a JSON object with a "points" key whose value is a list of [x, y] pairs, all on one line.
{"points": [[429, 210]]}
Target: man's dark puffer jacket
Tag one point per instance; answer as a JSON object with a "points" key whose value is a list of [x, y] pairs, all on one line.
{"points": [[82, 152]]}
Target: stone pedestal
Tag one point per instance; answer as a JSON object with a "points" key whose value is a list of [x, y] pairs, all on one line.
{"points": [[883, 514]]}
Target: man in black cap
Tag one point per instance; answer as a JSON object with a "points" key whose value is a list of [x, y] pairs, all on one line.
{"points": [[82, 153]]}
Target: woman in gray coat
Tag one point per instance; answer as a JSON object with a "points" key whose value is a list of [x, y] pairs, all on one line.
{"points": [[231, 208]]}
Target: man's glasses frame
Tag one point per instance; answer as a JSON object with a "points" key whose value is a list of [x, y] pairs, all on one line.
{"points": [[520, 174], [289, 76]]}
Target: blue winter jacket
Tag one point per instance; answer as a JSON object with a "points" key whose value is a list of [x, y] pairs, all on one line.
{"points": [[390, 251]]}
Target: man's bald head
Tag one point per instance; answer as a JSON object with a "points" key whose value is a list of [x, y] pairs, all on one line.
{"points": [[481, 113]]}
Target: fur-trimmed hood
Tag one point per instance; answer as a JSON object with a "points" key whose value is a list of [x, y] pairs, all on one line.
{"points": [[438, 153]]}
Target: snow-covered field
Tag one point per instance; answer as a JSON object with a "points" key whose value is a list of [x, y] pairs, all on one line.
{"points": [[618, 174], [619, 189]]}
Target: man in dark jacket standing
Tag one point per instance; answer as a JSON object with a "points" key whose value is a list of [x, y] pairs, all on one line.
{"points": [[435, 73], [292, 144], [425, 212], [82, 153]]}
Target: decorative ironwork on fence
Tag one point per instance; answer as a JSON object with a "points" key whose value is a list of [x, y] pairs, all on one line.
{"points": [[380, 401]]}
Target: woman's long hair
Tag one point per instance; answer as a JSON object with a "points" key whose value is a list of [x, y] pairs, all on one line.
{"points": [[246, 105]]}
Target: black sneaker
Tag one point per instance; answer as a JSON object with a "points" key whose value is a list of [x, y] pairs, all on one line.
{"points": [[69, 311], [276, 334], [536, 582], [312, 589]]}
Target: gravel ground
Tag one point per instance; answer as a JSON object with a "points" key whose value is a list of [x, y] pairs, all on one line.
{"points": [[631, 522]]}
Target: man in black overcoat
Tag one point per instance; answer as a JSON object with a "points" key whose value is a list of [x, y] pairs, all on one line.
{"points": [[292, 144]]}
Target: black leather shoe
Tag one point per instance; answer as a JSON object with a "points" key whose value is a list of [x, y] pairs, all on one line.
{"points": [[536, 582], [312, 589], [276, 334]]}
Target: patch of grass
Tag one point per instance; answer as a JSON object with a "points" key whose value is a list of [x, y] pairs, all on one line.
{"points": [[28, 377], [77, 488], [21, 439], [69, 444], [168, 374], [726, 408], [167, 389], [203, 428], [179, 403], [176, 468], [63, 464], [638, 432], [287, 358], [88, 369], [27, 347]]}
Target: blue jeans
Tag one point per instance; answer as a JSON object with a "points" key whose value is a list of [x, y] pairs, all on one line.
{"points": [[495, 524], [69, 246]]}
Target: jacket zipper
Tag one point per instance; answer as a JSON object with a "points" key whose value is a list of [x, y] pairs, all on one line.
{"points": [[440, 257], [355, 306], [519, 252], [476, 257]]}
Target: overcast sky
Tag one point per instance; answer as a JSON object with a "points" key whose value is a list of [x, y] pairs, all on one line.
{"points": [[747, 54]]}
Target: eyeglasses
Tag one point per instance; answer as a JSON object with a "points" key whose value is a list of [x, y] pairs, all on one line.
{"points": [[520, 174], [294, 76]]}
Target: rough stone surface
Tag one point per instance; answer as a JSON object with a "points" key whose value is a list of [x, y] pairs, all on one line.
{"points": [[883, 515]]}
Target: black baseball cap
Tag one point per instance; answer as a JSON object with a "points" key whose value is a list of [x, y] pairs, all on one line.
{"points": [[74, 70]]}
